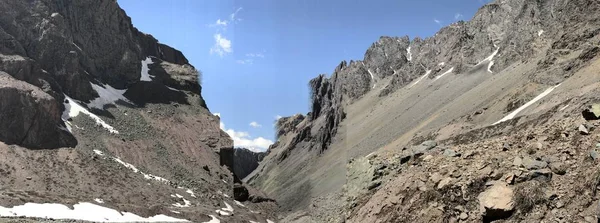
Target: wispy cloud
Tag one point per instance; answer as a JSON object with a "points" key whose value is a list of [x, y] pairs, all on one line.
{"points": [[232, 16], [244, 140], [458, 16], [437, 21], [255, 55], [246, 61], [222, 45], [255, 125]]}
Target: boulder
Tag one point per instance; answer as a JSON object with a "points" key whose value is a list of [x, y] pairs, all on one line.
{"points": [[451, 153], [240, 193], [558, 168], [532, 164], [592, 113], [496, 202], [583, 130]]}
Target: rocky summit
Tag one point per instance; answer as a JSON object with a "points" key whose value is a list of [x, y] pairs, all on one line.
{"points": [[494, 119]]}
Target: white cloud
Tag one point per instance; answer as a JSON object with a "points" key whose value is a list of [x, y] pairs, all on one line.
{"points": [[232, 16], [255, 55], [220, 22], [222, 45], [246, 61], [437, 21], [458, 16], [244, 140], [277, 117], [255, 124]]}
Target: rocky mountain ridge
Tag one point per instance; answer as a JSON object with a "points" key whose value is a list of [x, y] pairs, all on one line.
{"points": [[458, 82]]}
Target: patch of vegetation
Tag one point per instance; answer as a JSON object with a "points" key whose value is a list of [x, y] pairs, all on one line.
{"points": [[529, 194]]}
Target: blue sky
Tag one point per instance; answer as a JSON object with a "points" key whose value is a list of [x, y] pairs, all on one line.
{"points": [[258, 56]]}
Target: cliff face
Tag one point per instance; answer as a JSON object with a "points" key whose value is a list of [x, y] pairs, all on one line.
{"points": [[467, 76], [246, 161], [91, 108]]}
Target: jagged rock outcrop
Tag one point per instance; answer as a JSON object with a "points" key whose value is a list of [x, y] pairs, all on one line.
{"points": [[246, 161], [30, 117]]}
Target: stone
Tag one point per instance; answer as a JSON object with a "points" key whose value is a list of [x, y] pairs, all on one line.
{"points": [[597, 145], [430, 144], [545, 173], [532, 164], [445, 182], [518, 161], [496, 202], [583, 130], [594, 154], [435, 178], [592, 113], [374, 185], [505, 147], [558, 168], [240, 192], [451, 153], [463, 216]]}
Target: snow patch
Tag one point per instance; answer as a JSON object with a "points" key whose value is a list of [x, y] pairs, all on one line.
{"points": [[78, 48], [422, 77], [227, 210], [134, 169], [269, 221], [408, 54], [99, 201], [107, 95], [54, 14], [146, 70], [190, 192], [185, 204], [444, 74], [442, 64], [81, 211], [221, 193], [563, 108], [72, 109], [534, 100], [540, 32], [490, 59], [239, 203]]}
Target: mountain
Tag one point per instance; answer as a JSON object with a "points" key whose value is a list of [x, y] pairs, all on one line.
{"points": [[245, 161], [434, 129], [101, 122]]}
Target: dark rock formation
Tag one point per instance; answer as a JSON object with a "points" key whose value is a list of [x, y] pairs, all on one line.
{"points": [[245, 161], [30, 117]]}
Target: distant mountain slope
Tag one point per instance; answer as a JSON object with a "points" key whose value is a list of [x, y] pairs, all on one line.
{"points": [[94, 111], [463, 79]]}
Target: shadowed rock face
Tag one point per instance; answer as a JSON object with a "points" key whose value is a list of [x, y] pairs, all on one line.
{"points": [[245, 161], [63, 47], [30, 117]]}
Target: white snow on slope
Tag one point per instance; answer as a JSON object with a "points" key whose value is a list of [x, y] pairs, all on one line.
{"points": [[190, 192], [490, 59], [145, 70], [442, 64], [77, 47], [540, 32], [134, 169], [72, 109], [444, 74], [408, 54], [81, 211], [239, 203], [534, 100], [421, 78], [269, 221], [99, 201], [227, 210], [108, 95]]}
